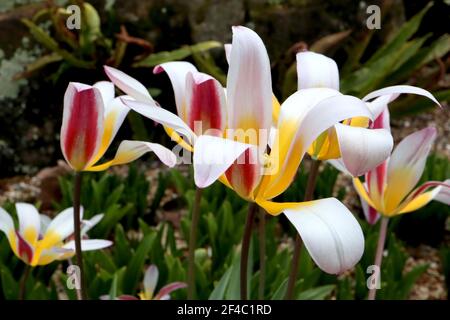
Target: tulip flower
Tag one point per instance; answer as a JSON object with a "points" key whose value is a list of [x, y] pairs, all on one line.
{"points": [[149, 285], [41, 240], [91, 120], [200, 102], [243, 162], [357, 144], [388, 189]]}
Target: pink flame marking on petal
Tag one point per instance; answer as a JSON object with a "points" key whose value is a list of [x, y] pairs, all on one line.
{"points": [[428, 185], [82, 127], [158, 69], [381, 176], [166, 290], [378, 123], [24, 250], [245, 170], [205, 106], [373, 215]]}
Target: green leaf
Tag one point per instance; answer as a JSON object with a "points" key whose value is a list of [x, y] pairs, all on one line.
{"points": [[178, 54], [319, 293], [39, 63], [38, 292], [43, 38], [135, 268], [219, 291], [9, 285], [405, 32], [410, 279], [233, 289], [115, 290], [437, 49], [281, 291]]}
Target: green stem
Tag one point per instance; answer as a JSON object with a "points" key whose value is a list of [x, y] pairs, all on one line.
{"points": [[262, 254], [309, 192], [77, 233], [192, 242], [23, 282], [379, 252], [245, 248]]}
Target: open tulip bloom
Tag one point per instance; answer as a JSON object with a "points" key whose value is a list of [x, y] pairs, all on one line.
{"points": [[149, 285], [41, 240], [388, 189], [237, 154], [358, 145], [91, 119]]}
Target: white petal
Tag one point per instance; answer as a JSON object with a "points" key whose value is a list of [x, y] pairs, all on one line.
{"points": [[162, 116], [444, 194], [227, 47], [304, 116], [380, 104], [339, 165], [249, 84], [150, 280], [114, 117], [89, 224], [130, 150], [88, 245], [6, 222], [177, 72], [62, 224], [106, 90], [29, 221], [406, 165], [82, 125], [129, 85], [363, 149], [205, 104], [213, 156], [315, 70], [330, 232], [45, 222], [395, 91]]}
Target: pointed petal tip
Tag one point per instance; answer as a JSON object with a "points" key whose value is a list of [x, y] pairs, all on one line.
{"points": [[158, 69], [199, 77], [108, 70]]}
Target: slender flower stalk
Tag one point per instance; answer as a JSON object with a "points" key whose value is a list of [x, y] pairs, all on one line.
{"points": [[309, 193], [192, 243], [379, 252], [262, 254], [23, 282], [91, 119], [245, 248], [77, 234]]}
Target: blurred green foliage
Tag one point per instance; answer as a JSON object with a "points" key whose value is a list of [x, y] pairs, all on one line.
{"points": [[398, 61], [142, 235]]}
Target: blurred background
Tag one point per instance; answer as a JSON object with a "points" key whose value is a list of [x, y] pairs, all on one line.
{"points": [[39, 55]]}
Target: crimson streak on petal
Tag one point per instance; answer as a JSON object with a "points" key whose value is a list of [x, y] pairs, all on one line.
{"points": [[80, 141]]}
